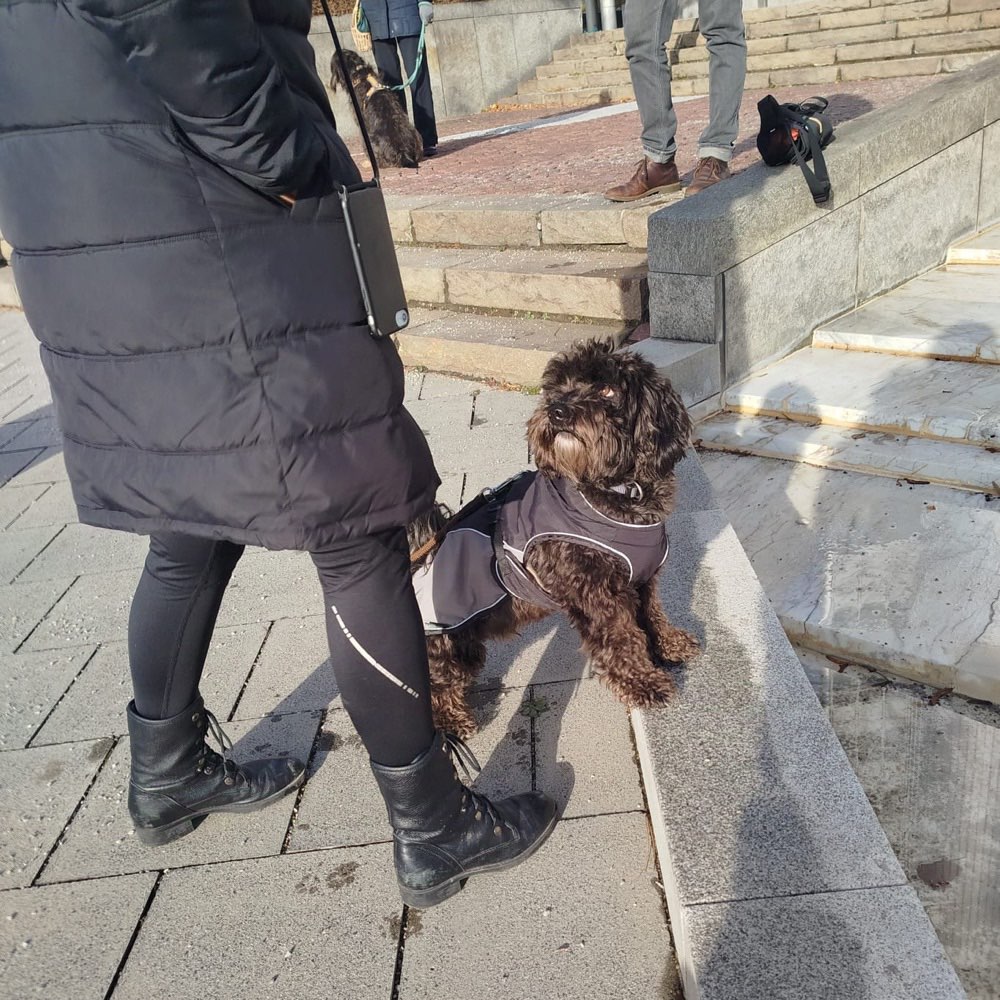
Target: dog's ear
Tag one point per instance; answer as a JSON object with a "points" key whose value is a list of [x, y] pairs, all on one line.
{"points": [[662, 428]]}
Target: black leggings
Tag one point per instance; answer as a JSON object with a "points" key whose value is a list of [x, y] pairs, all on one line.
{"points": [[373, 626]]}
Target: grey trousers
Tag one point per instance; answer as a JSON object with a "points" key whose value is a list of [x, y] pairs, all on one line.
{"points": [[648, 24]]}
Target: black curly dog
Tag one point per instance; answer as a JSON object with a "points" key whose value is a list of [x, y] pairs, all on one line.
{"points": [[395, 141], [605, 418]]}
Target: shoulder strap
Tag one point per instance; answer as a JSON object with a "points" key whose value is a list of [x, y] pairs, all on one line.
{"points": [[818, 179], [350, 90]]}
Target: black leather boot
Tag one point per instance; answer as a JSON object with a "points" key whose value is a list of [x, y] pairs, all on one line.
{"points": [[177, 779], [445, 832]]}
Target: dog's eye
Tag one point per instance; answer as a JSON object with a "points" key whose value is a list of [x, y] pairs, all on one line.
{"points": [[608, 393]]}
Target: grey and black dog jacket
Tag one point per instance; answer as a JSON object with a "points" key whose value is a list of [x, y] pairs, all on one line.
{"points": [[482, 558]]}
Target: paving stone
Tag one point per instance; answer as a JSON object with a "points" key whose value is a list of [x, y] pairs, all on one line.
{"points": [[54, 505], [502, 744], [271, 585], [746, 781], [81, 549], [94, 609], [599, 936], [341, 804], [293, 672], [22, 607], [845, 448], [15, 500], [582, 737], [292, 926], [46, 466], [51, 944], [100, 840], [41, 433], [19, 548], [545, 651], [901, 577], [13, 463], [39, 789], [30, 685], [876, 943], [95, 704]]}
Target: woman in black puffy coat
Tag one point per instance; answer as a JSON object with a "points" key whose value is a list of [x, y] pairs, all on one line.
{"points": [[168, 178]]}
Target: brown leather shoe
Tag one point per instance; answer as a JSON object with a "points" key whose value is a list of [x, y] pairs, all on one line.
{"points": [[708, 172], [650, 177]]}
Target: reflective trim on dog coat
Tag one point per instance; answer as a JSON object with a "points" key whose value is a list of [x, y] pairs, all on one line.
{"points": [[465, 580]]}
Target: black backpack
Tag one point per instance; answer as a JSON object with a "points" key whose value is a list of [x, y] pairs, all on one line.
{"points": [[795, 133]]}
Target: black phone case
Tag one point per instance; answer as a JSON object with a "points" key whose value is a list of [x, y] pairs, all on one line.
{"points": [[375, 258]]}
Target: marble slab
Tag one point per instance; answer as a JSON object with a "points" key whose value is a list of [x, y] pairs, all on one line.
{"points": [[870, 452], [899, 575], [943, 399]]}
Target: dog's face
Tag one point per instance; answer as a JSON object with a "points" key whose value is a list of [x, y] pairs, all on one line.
{"points": [[363, 78], [606, 418]]}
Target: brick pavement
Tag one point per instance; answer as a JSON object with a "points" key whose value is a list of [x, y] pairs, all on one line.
{"points": [[590, 156], [297, 900]]}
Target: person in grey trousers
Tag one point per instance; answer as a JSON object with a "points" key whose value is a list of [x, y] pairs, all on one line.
{"points": [[648, 24]]}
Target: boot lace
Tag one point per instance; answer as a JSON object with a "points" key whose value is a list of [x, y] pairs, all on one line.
{"points": [[462, 755], [210, 759]]}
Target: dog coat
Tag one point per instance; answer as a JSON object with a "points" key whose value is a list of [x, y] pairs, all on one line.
{"points": [[482, 557]]}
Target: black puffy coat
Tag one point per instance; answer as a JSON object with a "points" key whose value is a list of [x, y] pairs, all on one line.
{"points": [[206, 345]]}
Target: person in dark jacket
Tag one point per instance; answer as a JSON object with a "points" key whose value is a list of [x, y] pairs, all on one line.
{"points": [[397, 23], [168, 179]]}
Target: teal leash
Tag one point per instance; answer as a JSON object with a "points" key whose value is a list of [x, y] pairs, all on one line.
{"points": [[417, 65]]}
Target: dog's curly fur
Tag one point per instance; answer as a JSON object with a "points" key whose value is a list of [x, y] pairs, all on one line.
{"points": [[604, 418], [395, 141]]}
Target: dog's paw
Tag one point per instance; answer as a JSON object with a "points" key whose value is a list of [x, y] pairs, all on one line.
{"points": [[654, 687], [678, 646]]}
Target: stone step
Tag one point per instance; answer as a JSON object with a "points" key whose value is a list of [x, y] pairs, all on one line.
{"points": [[526, 220], [898, 576], [871, 452], [580, 97], [508, 349], [592, 284], [951, 313], [694, 369], [946, 400], [983, 249], [578, 80]]}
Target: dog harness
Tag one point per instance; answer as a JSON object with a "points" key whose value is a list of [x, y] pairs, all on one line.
{"points": [[483, 557]]}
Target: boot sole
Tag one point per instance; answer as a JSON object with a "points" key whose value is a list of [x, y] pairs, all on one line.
{"points": [[157, 836], [423, 899], [662, 189]]}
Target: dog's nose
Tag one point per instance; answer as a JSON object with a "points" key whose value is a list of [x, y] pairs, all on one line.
{"points": [[558, 413]]}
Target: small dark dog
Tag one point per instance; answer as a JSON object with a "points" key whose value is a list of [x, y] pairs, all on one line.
{"points": [[583, 535], [395, 141]]}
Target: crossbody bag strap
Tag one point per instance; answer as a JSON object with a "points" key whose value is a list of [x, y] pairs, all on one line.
{"points": [[819, 178], [355, 103]]}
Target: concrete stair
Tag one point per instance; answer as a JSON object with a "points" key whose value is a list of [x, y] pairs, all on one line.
{"points": [[499, 285], [826, 41], [894, 563]]}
